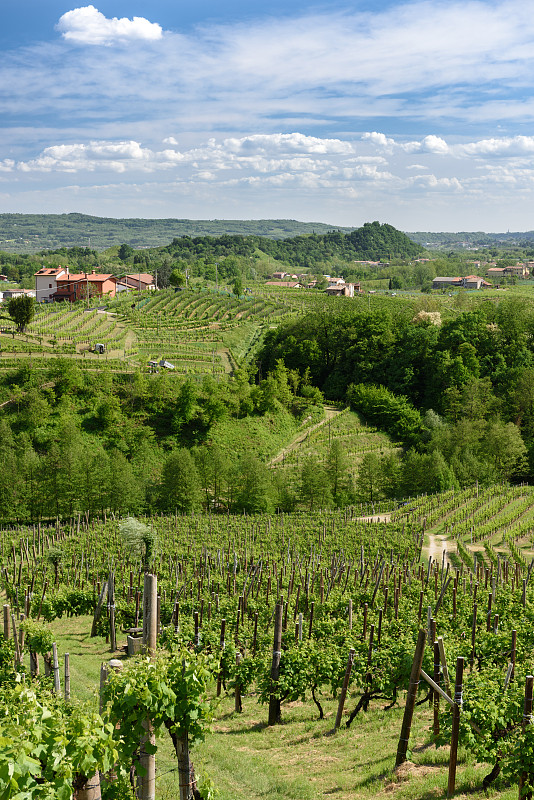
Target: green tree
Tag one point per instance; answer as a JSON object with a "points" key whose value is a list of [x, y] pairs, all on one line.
{"points": [[180, 482], [237, 286], [369, 478], [337, 467], [315, 485], [254, 489], [177, 278], [125, 252], [21, 310], [140, 540], [213, 466]]}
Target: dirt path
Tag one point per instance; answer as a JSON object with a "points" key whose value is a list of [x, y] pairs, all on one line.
{"points": [[434, 546], [329, 413]]}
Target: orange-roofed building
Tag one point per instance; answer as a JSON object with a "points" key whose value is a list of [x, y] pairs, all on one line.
{"points": [[76, 286], [46, 283]]}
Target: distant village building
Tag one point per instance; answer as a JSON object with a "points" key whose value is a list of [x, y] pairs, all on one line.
{"points": [[140, 281], [57, 284], [78, 286], [9, 294], [335, 282], [46, 283], [517, 271], [469, 282], [343, 289], [52, 285], [441, 282]]}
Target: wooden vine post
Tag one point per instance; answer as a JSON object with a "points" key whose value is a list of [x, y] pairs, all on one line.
{"points": [[146, 784], [111, 604], [527, 713], [436, 695], [7, 630], [343, 695], [410, 698], [456, 709], [274, 701]]}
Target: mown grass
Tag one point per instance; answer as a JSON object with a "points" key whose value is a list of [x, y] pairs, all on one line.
{"points": [[300, 759]]}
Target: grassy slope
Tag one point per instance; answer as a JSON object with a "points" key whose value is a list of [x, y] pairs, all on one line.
{"points": [[260, 436], [299, 759]]}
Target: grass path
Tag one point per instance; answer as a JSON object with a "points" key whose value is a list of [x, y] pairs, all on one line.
{"points": [[297, 760], [329, 413]]}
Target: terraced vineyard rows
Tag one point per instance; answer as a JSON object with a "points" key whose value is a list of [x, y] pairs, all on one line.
{"points": [[63, 329], [190, 329], [479, 520]]}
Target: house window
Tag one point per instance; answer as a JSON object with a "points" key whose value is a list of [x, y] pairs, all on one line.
{"points": [[49, 285]]}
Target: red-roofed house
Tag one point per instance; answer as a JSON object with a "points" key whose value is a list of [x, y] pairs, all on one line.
{"points": [[46, 283], [140, 280], [75, 287]]}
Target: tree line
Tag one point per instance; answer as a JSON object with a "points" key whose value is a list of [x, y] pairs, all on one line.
{"points": [[459, 395], [76, 441]]}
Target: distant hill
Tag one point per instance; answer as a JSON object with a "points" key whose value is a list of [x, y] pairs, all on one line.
{"points": [[30, 233], [446, 240], [372, 241]]}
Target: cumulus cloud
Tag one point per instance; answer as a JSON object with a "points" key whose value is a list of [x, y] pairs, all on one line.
{"points": [[231, 172], [115, 156], [429, 144], [433, 182], [505, 146], [286, 142], [87, 25]]}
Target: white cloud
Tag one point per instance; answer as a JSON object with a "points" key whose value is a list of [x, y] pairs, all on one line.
{"points": [[379, 139], [429, 144], [87, 25], [505, 146], [286, 142], [434, 182]]}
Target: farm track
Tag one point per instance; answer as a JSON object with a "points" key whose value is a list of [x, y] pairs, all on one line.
{"points": [[330, 413]]}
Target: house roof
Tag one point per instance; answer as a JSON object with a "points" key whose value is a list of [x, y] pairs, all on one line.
{"points": [[50, 271], [92, 277], [144, 277], [284, 284]]}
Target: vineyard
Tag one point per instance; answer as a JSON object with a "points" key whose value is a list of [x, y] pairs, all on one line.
{"points": [[281, 629], [345, 427], [199, 333]]}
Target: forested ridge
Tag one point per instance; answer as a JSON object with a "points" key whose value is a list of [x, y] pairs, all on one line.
{"points": [[25, 233], [372, 241]]}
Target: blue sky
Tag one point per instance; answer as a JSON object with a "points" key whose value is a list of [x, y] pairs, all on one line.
{"points": [[419, 114]]}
